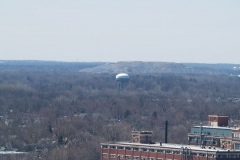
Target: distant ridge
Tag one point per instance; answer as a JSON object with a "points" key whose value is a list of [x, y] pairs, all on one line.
{"points": [[139, 67]]}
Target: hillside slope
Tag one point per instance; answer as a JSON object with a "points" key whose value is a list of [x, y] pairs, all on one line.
{"points": [[139, 67]]}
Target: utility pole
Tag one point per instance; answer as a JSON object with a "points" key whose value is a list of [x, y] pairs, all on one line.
{"points": [[201, 135]]}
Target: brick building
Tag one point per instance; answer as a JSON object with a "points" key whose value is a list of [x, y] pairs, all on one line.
{"points": [[148, 150], [217, 120], [216, 134]]}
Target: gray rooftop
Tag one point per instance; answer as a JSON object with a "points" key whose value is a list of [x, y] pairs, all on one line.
{"points": [[169, 146]]}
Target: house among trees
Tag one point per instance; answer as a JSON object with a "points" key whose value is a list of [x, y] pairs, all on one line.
{"points": [[98, 116], [92, 116], [82, 116]]}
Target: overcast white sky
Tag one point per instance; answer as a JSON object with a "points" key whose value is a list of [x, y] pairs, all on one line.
{"points": [[206, 31]]}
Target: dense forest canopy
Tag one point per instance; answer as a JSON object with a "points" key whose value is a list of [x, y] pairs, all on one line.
{"points": [[53, 108]]}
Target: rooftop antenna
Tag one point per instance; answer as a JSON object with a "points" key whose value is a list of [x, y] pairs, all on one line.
{"points": [[118, 115], [201, 134], [201, 131], [201, 116]]}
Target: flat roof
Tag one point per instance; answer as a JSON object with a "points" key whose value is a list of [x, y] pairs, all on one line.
{"points": [[214, 127], [216, 115], [142, 132], [217, 127], [171, 146]]}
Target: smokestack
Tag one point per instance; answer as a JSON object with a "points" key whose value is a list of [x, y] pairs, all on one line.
{"points": [[201, 131], [166, 131]]}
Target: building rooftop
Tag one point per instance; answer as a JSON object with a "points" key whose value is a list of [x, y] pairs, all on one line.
{"points": [[217, 127], [216, 115], [170, 146]]}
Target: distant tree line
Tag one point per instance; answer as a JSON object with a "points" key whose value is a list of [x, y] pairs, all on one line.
{"points": [[56, 114]]}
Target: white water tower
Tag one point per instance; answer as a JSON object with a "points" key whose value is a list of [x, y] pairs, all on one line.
{"points": [[121, 79]]}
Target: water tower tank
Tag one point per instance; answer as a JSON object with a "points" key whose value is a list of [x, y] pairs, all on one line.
{"points": [[122, 77]]}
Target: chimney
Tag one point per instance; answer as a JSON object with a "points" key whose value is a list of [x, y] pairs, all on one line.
{"points": [[166, 131]]}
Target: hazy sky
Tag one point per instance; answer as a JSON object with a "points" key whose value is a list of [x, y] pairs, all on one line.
{"points": [[121, 30]]}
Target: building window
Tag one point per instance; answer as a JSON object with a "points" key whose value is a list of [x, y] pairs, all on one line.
{"points": [[120, 156], [168, 152], [151, 150], [135, 158], [151, 158], [104, 146], [128, 148], [135, 149], [160, 151], [176, 152], [236, 135], [113, 147], [193, 154], [202, 154], [211, 155], [208, 141], [120, 147], [222, 156], [144, 158], [234, 156], [237, 146], [215, 141], [112, 155], [192, 139], [159, 159], [144, 149], [105, 155], [127, 157]]}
